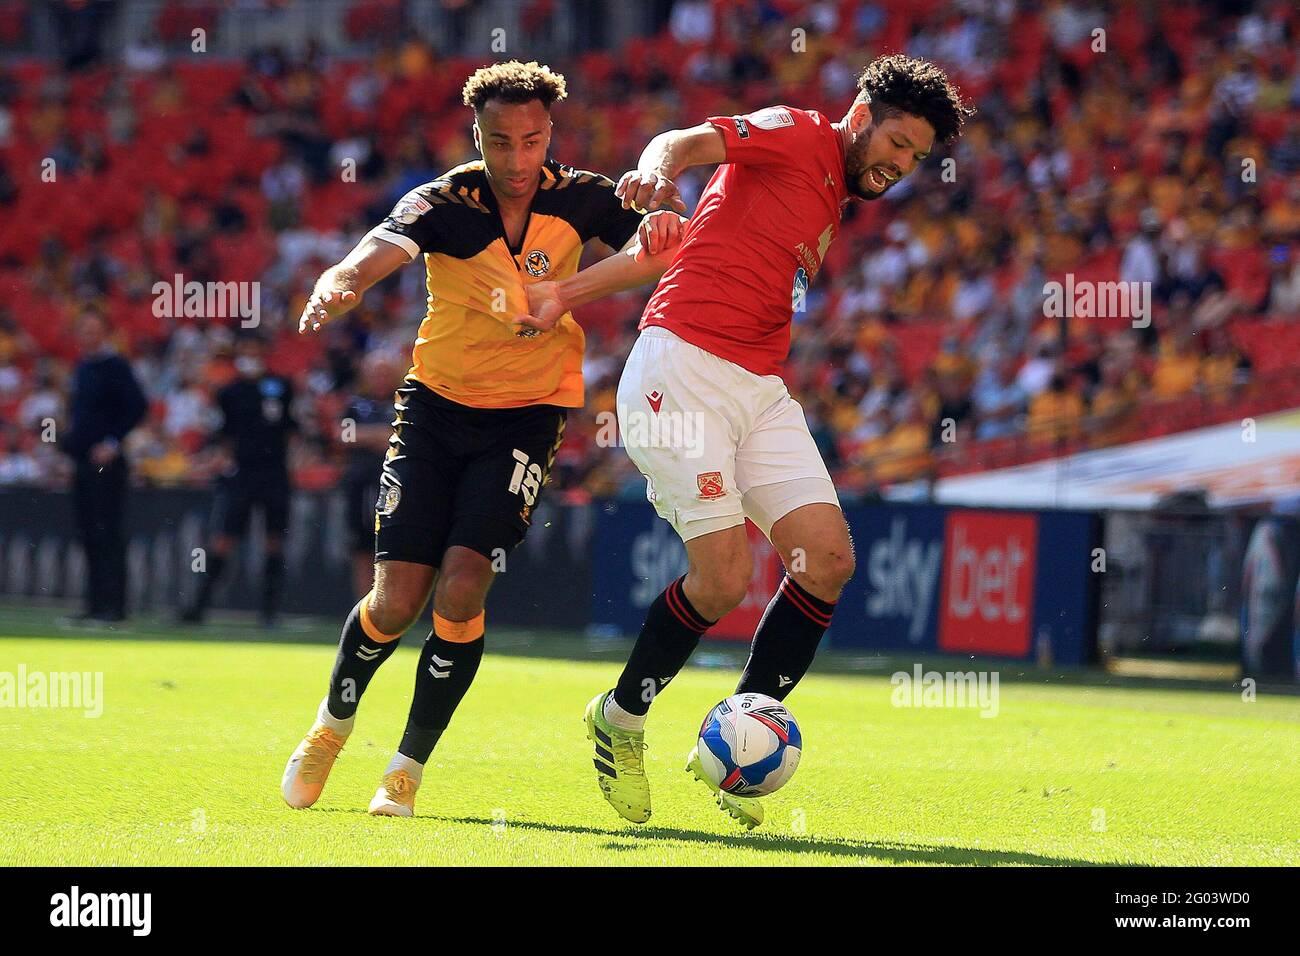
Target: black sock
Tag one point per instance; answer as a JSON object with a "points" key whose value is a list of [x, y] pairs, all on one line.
{"points": [[272, 576], [211, 575], [670, 633], [358, 659], [785, 642], [447, 668]]}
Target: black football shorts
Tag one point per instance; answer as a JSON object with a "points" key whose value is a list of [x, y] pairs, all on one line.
{"points": [[457, 475]]}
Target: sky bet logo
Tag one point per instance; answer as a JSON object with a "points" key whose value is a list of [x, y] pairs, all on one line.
{"points": [[73, 909], [903, 572], [988, 582], [974, 570]]}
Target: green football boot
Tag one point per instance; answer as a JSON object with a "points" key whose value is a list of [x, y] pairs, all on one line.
{"points": [[620, 764], [747, 810]]}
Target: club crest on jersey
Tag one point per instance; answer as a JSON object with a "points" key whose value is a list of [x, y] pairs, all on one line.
{"points": [[710, 485], [537, 262], [388, 500], [656, 400]]}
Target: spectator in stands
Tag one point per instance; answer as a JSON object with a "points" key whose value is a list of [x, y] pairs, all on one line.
{"points": [[1178, 365], [904, 453], [1141, 262], [1114, 404], [1283, 282], [1056, 413], [1225, 369], [955, 417], [1036, 374], [1000, 400], [1122, 166], [106, 404], [17, 465]]}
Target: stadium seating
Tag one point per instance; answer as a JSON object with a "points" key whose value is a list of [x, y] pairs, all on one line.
{"points": [[213, 168]]}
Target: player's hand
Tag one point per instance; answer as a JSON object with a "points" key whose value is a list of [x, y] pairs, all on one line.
{"points": [[220, 462], [324, 306], [659, 232], [648, 191], [103, 453], [545, 308]]}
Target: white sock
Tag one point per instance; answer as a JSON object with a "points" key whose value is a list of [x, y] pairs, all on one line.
{"points": [[402, 762], [620, 718], [340, 726]]}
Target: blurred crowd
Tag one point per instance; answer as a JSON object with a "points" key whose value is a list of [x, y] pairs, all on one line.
{"points": [[1138, 142]]}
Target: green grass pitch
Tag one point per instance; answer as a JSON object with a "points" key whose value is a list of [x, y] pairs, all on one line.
{"points": [[183, 767]]}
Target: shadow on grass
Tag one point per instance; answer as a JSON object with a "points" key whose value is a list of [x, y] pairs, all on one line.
{"points": [[884, 851]]}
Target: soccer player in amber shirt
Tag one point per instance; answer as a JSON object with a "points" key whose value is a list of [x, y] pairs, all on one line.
{"points": [[479, 416], [713, 339]]}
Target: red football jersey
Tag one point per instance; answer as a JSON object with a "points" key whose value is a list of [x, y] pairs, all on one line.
{"points": [[757, 239]]}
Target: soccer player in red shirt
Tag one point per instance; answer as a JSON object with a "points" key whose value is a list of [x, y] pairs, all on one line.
{"points": [[702, 408]]}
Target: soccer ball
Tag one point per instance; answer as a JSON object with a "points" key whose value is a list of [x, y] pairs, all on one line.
{"points": [[749, 745]]}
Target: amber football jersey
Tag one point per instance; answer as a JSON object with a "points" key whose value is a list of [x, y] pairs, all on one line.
{"points": [[467, 348]]}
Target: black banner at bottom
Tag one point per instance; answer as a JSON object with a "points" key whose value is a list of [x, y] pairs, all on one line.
{"points": [[302, 906]]}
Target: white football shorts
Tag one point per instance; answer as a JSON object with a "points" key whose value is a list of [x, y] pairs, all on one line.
{"points": [[715, 442]]}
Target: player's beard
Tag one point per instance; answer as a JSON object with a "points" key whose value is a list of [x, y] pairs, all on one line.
{"points": [[856, 166]]}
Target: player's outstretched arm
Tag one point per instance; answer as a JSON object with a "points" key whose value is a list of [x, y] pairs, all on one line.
{"points": [[340, 288], [650, 186], [644, 259]]}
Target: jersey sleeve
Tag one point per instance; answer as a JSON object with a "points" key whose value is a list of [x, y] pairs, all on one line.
{"points": [[413, 223], [604, 217], [778, 134]]}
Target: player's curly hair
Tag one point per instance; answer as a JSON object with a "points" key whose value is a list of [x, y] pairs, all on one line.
{"points": [[514, 82], [901, 84]]}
